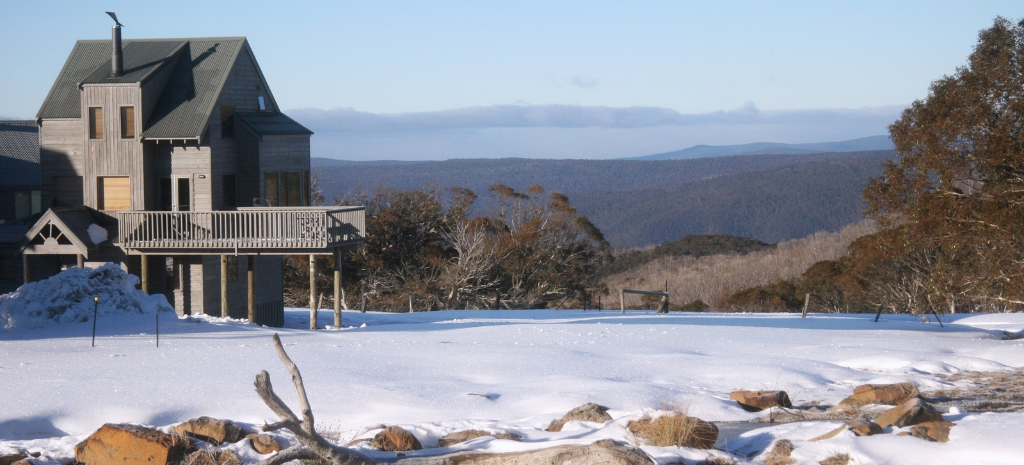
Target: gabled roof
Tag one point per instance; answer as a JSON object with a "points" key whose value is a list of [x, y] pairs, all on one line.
{"points": [[272, 124], [19, 154], [200, 68], [64, 230]]}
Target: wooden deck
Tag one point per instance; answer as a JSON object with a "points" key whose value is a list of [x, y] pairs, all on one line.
{"points": [[260, 230]]}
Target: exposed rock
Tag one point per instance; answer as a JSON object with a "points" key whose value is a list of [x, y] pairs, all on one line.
{"points": [[675, 430], [211, 430], [864, 427], [859, 427], [10, 458], [780, 453], [934, 431], [25, 461], [755, 401], [457, 437], [911, 412], [129, 445], [263, 443], [395, 439], [586, 412], [888, 394]]}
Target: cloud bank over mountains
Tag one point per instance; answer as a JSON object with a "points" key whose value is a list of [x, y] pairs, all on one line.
{"points": [[572, 131]]}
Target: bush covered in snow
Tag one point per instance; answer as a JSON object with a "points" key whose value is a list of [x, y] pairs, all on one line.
{"points": [[68, 298]]}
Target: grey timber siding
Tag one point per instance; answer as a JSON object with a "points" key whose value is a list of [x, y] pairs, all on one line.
{"points": [[269, 291], [112, 155], [60, 153], [241, 89]]}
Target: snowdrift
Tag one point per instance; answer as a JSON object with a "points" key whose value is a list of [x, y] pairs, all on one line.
{"points": [[68, 298]]}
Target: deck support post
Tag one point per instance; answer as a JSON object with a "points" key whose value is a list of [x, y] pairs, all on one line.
{"points": [[250, 272], [337, 289], [24, 267], [144, 260], [224, 287], [312, 292], [81, 261]]}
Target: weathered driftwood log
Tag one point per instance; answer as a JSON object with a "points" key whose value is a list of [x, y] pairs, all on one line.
{"points": [[315, 446], [303, 429]]}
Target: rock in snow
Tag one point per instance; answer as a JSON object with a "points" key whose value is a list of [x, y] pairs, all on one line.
{"points": [[130, 444]]}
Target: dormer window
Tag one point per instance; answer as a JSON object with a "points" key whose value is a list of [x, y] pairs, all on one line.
{"points": [[127, 122], [95, 122]]}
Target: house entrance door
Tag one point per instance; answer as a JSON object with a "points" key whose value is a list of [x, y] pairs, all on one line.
{"points": [[176, 194], [182, 197]]}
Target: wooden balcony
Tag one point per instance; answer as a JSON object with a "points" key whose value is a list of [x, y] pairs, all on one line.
{"points": [[261, 230]]}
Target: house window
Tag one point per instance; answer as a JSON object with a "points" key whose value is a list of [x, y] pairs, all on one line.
{"points": [[270, 184], [228, 198], [292, 189], [285, 189], [127, 122], [95, 123], [263, 103], [113, 193], [27, 203], [227, 121]]}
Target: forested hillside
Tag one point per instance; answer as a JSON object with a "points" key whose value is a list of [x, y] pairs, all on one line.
{"points": [[636, 203]]}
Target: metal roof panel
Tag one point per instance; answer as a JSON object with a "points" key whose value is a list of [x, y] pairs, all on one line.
{"points": [[19, 154], [272, 124], [141, 60]]}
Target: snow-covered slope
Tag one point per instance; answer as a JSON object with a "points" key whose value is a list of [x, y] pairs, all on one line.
{"points": [[437, 372]]}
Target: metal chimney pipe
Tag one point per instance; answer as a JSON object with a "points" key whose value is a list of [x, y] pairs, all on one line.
{"points": [[116, 59]]}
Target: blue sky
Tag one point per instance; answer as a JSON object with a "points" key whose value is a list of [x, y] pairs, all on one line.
{"points": [[341, 66]]}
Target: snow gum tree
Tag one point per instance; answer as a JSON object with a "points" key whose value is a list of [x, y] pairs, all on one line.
{"points": [[952, 204], [532, 251]]}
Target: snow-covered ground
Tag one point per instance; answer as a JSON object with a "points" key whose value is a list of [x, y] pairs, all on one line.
{"points": [[439, 372]]}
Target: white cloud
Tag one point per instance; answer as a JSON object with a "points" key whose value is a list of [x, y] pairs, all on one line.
{"points": [[584, 82]]}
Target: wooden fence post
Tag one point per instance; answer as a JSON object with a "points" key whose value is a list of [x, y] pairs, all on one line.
{"points": [[338, 296], [145, 273], [807, 301], [313, 310], [223, 286], [250, 275], [622, 300]]}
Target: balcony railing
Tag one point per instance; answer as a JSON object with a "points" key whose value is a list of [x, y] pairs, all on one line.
{"points": [[272, 230]]}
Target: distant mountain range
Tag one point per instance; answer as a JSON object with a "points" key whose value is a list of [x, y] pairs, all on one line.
{"points": [[642, 202], [773, 148]]}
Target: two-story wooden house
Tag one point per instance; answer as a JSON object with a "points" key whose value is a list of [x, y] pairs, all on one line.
{"points": [[172, 157]]}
